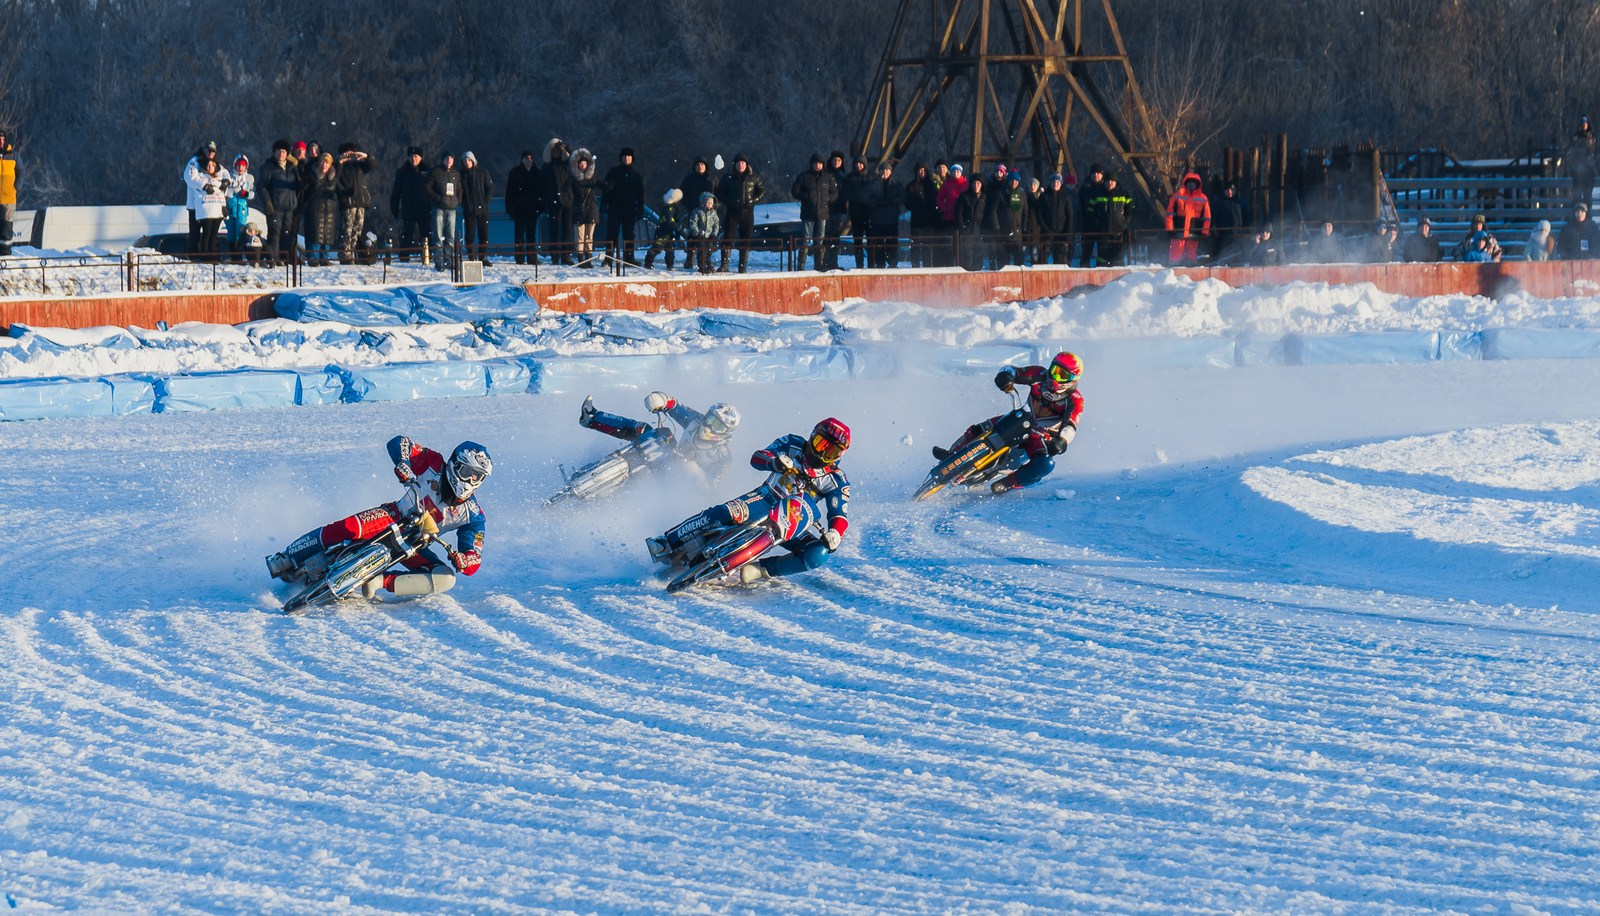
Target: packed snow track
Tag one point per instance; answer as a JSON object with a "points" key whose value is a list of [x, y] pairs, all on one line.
{"points": [[1277, 640]]}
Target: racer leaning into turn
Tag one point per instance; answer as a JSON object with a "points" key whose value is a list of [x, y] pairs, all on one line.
{"points": [[1056, 404], [445, 486], [703, 444], [815, 459]]}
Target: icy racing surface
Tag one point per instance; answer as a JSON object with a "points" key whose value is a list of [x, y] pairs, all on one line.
{"points": [[1279, 640]]}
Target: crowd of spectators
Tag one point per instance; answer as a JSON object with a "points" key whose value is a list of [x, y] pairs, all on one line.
{"points": [[564, 208]]}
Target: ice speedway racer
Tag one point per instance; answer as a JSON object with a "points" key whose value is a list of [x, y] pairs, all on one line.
{"points": [[1015, 449], [802, 507], [700, 448], [390, 547]]}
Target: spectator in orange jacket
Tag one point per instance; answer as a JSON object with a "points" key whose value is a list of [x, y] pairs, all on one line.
{"points": [[1188, 220]]}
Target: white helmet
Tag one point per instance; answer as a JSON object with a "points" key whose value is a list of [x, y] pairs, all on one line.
{"points": [[467, 468], [719, 423]]}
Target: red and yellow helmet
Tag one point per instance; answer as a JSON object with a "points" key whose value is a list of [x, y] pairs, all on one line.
{"points": [[828, 441], [1066, 368]]}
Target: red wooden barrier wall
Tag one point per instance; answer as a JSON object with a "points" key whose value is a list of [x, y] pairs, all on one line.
{"points": [[804, 294]]}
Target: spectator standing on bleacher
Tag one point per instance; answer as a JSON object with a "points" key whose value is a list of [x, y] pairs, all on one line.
{"points": [[1578, 240], [1188, 220], [241, 189], [354, 198], [1055, 222], [950, 192], [701, 229], [211, 203], [1009, 221], [622, 197], [319, 200], [558, 184], [1093, 220], [1227, 223], [971, 210], [1112, 210], [477, 189], [1479, 245], [884, 197], [860, 209], [839, 210], [525, 200], [408, 202], [1581, 162], [741, 191], [1541, 244], [1421, 247], [672, 214], [816, 190], [8, 194], [921, 193], [585, 205], [444, 198], [279, 184], [192, 170], [1325, 247]]}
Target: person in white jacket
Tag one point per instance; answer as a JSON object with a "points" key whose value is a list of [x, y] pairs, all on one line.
{"points": [[210, 190], [1540, 243], [191, 171]]}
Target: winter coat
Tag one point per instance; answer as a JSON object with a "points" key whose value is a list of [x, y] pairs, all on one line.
{"points": [[1420, 249], [1227, 217], [670, 219], [969, 212], [557, 178], [1578, 241], [353, 193], [443, 189], [191, 173], [1189, 212], [949, 193], [1055, 211], [742, 191], [702, 223], [696, 182], [1087, 195], [319, 199], [278, 186], [409, 199], [1111, 209], [816, 191], [1324, 249], [841, 204], [623, 193], [1540, 243], [241, 188], [585, 188], [854, 191], [1267, 253], [883, 200], [477, 189], [526, 194], [921, 194], [1009, 209], [210, 199]]}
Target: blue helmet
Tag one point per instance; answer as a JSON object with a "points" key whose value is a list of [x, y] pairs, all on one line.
{"points": [[468, 466]]}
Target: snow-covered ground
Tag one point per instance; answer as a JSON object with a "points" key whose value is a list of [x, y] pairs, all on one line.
{"points": [[1314, 639]]}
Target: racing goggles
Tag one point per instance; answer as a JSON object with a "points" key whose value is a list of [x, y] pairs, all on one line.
{"points": [[825, 448], [1062, 374], [717, 427]]}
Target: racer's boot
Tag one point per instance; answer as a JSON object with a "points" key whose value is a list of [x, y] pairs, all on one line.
{"points": [[586, 413], [751, 573], [660, 550], [370, 588], [1004, 484], [940, 454]]}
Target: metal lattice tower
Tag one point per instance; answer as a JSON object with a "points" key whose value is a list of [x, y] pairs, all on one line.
{"points": [[974, 55]]}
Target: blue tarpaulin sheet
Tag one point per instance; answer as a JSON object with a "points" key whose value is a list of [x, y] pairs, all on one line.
{"points": [[227, 390], [581, 374], [1456, 345], [790, 364], [509, 376], [985, 359], [360, 307], [54, 398], [1382, 347], [444, 303], [1530, 343], [414, 381], [320, 386], [132, 394]]}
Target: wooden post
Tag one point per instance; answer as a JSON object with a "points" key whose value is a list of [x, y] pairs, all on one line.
{"points": [[1377, 185], [1283, 171], [1256, 213]]}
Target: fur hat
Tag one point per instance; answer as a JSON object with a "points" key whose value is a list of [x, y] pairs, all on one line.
{"points": [[626, 151], [1096, 168], [527, 154], [816, 159], [836, 155], [941, 162], [672, 197], [414, 151], [552, 148], [280, 145], [347, 148]]}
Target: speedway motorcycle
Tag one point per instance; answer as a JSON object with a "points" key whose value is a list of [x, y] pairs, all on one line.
{"points": [[718, 555], [650, 452], [337, 574], [986, 459]]}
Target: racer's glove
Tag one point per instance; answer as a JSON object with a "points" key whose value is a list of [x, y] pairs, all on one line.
{"points": [[657, 401], [403, 473], [1005, 379], [787, 465], [831, 539]]}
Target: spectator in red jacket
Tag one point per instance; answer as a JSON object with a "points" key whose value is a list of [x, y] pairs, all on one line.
{"points": [[1188, 220]]}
